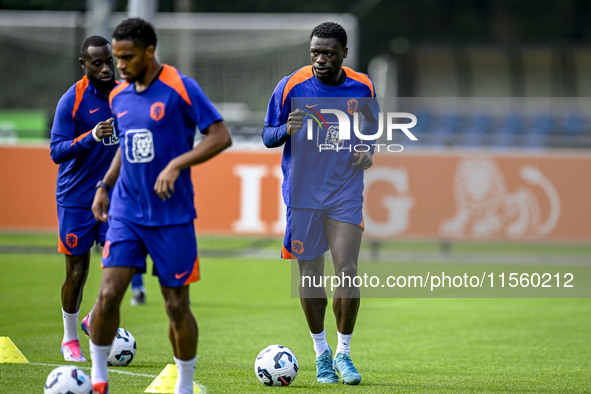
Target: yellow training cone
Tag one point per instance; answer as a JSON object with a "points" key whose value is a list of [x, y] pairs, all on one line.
{"points": [[166, 381], [9, 353]]}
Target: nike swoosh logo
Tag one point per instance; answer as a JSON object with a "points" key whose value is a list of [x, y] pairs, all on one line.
{"points": [[179, 276], [120, 114], [92, 111], [311, 106]]}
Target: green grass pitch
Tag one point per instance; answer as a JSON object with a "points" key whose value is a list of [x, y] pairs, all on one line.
{"points": [[243, 304]]}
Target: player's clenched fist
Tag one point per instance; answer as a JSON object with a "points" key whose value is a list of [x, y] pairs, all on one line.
{"points": [[104, 129], [364, 160], [295, 121]]}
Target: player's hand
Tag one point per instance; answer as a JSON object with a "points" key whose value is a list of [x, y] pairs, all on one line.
{"points": [[164, 186], [100, 205], [295, 121], [104, 129], [364, 160]]}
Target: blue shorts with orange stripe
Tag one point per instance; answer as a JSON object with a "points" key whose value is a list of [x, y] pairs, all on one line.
{"points": [[78, 230], [173, 250], [305, 237]]}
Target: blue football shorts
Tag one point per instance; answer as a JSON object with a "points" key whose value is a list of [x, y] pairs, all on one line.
{"points": [[305, 237], [78, 230], [173, 250]]}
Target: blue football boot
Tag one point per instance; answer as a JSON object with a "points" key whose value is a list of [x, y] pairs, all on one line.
{"points": [[344, 366], [324, 371]]}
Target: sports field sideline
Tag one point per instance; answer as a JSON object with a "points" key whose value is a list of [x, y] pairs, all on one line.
{"points": [[243, 304]]}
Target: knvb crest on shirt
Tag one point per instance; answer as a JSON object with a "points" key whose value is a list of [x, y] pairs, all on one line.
{"points": [[157, 111], [352, 106]]}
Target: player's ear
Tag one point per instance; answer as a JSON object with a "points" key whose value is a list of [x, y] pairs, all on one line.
{"points": [[82, 63], [150, 51], [345, 52]]}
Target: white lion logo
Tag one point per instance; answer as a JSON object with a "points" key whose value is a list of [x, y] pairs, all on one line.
{"points": [[142, 146], [332, 137]]}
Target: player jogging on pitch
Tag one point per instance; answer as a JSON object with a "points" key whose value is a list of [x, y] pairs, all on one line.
{"points": [[83, 143], [323, 190], [151, 210]]}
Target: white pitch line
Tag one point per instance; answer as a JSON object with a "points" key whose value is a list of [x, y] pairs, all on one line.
{"points": [[143, 375]]}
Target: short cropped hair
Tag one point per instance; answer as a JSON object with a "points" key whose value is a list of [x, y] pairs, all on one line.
{"points": [[92, 41], [137, 30], [330, 30]]}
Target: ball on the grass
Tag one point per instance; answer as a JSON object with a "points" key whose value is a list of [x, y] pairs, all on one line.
{"points": [[68, 379], [276, 365], [123, 349]]}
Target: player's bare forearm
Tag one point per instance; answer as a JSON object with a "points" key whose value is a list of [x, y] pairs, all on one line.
{"points": [[100, 204], [217, 138], [113, 172]]}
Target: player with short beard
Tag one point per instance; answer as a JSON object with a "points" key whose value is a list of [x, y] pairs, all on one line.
{"points": [[323, 190], [151, 210], [83, 143]]}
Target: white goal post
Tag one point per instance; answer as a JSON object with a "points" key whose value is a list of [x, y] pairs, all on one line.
{"points": [[238, 59]]}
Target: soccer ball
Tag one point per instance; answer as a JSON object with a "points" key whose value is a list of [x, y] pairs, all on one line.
{"points": [[123, 349], [68, 379], [276, 365]]}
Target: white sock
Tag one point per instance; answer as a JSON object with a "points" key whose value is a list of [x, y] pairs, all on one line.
{"points": [[320, 345], [70, 326], [99, 356], [184, 381], [343, 344]]}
